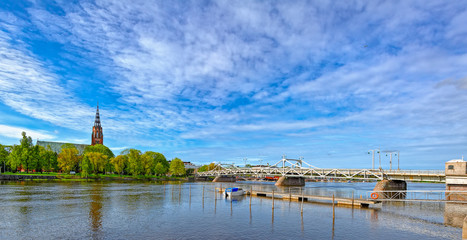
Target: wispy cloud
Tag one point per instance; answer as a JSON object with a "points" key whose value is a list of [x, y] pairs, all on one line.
{"points": [[223, 75], [14, 132]]}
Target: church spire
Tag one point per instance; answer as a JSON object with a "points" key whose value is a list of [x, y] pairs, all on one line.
{"points": [[97, 121], [97, 134]]}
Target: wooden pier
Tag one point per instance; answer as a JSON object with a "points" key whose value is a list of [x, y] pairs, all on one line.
{"points": [[355, 202]]}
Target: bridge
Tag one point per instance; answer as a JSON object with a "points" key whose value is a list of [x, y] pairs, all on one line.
{"points": [[298, 168]]}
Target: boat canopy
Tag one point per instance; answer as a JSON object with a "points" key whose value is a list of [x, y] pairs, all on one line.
{"points": [[235, 189]]}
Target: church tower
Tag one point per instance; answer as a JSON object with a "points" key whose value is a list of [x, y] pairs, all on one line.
{"points": [[97, 135]]}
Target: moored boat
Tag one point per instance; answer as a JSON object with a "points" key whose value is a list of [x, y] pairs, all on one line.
{"points": [[234, 191]]}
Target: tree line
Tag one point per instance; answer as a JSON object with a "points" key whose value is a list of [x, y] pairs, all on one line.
{"points": [[97, 159]]}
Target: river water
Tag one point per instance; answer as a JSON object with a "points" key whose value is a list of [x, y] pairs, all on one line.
{"points": [[154, 210]]}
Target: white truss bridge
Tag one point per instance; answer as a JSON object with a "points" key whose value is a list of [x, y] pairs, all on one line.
{"points": [[299, 168]]}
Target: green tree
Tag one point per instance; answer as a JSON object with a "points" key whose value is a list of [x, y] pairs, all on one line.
{"points": [[101, 149], [134, 161], [14, 159], [147, 164], [160, 169], [177, 167], [119, 162], [98, 161], [85, 166], [26, 151], [4, 153], [50, 157], [158, 158], [68, 158]]}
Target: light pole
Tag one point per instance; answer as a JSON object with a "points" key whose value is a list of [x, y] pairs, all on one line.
{"points": [[373, 157], [395, 152]]}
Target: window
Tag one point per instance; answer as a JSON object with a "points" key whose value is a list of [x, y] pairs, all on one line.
{"points": [[451, 167]]}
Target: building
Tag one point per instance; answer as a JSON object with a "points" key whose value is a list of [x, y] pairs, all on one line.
{"points": [[96, 138], [57, 146], [97, 134]]}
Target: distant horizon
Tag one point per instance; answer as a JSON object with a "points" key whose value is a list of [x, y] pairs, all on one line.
{"points": [[221, 81]]}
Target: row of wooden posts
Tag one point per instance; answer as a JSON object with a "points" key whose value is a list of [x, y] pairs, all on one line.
{"points": [[251, 190]]}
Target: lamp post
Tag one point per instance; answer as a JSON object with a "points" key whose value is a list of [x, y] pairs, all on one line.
{"points": [[395, 152], [373, 157]]}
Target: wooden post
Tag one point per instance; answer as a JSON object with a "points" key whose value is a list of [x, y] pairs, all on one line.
{"points": [[251, 194], [190, 195], [333, 211], [352, 199], [290, 195], [215, 199], [301, 206], [203, 196], [272, 199]]}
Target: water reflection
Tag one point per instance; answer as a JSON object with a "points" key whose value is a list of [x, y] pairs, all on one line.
{"points": [[95, 209]]}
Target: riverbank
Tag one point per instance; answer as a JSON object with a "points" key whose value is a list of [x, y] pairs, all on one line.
{"points": [[98, 177]]}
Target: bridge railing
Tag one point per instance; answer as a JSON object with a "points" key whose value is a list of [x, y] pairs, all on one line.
{"points": [[418, 195]]}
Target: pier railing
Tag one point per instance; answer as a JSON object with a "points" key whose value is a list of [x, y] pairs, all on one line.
{"points": [[418, 196]]}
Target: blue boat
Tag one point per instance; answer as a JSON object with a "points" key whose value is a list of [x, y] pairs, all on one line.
{"points": [[234, 191]]}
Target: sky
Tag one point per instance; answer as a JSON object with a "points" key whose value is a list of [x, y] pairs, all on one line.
{"points": [[221, 81]]}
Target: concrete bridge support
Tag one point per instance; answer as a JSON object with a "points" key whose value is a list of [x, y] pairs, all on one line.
{"points": [[290, 181], [224, 178], [456, 179], [391, 185]]}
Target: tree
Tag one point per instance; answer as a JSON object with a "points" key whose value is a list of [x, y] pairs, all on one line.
{"points": [[85, 166], [160, 169], [50, 157], [97, 160], [177, 167], [101, 149], [14, 159], [119, 163], [25, 151], [68, 158], [134, 161], [206, 168], [147, 164], [4, 153]]}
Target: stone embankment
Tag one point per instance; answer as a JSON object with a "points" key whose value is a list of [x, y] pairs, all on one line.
{"points": [[24, 177]]}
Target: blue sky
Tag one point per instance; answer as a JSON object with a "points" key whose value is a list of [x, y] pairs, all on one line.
{"points": [[223, 80]]}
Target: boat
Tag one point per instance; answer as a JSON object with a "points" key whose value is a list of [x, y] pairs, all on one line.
{"points": [[234, 191]]}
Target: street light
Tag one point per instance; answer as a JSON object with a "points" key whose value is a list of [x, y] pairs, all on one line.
{"points": [[373, 157]]}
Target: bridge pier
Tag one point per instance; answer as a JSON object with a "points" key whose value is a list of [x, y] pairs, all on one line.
{"points": [[224, 178], [290, 181], [456, 179], [391, 185]]}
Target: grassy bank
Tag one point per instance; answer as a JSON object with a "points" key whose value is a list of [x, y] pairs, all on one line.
{"points": [[103, 177]]}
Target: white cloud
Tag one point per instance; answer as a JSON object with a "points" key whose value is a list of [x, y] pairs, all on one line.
{"points": [[15, 132]]}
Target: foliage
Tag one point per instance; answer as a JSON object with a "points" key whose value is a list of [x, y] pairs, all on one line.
{"points": [[85, 166], [177, 167], [97, 160], [68, 158], [50, 157], [4, 153], [119, 162], [101, 149], [134, 162], [160, 169], [206, 168], [147, 164]]}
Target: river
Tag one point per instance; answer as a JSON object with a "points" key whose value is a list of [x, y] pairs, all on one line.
{"points": [[155, 210]]}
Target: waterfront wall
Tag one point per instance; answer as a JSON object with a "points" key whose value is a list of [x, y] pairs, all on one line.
{"points": [[24, 177]]}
